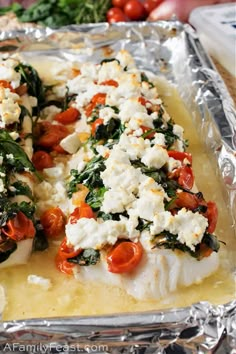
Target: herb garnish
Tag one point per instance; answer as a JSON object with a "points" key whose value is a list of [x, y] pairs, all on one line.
{"points": [[88, 257], [90, 176]]}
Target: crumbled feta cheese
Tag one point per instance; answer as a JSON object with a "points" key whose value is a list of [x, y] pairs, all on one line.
{"points": [[178, 130], [120, 173], [172, 164], [55, 172], [155, 156], [129, 108], [109, 70], [161, 222], [38, 280], [189, 227], [116, 201], [50, 111], [9, 108], [134, 146], [8, 73], [107, 113], [71, 143], [159, 139], [88, 233]]}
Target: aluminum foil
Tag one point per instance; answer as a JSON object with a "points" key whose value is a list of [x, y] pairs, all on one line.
{"points": [[172, 50]]}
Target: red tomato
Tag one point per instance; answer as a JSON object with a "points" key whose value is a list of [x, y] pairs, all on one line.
{"points": [[113, 11], [41, 159], [69, 116], [212, 215], [179, 155], [95, 124], [110, 83], [83, 211], [51, 134], [124, 257], [99, 98], [146, 129], [19, 228], [186, 178], [150, 5], [186, 200], [117, 18], [64, 266], [53, 222], [89, 109], [205, 251], [65, 251], [119, 3], [143, 101], [6, 84], [134, 9]]}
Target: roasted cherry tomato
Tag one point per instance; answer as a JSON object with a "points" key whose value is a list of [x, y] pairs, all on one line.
{"points": [[186, 178], [83, 211], [179, 155], [53, 222], [110, 83], [64, 266], [212, 216], [68, 116], [145, 130], [65, 251], [124, 257], [95, 124], [6, 84], [134, 9], [186, 200], [50, 135], [41, 159], [99, 98], [205, 251], [19, 228]]}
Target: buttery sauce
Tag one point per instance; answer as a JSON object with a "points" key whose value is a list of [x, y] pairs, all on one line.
{"points": [[68, 297]]}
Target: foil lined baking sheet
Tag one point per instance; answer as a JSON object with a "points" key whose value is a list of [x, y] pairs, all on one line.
{"points": [[172, 50]]}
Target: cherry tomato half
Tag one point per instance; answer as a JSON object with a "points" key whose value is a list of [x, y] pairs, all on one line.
{"points": [[110, 83], [6, 84], [65, 251], [68, 116], [50, 134], [135, 10], [19, 228], [179, 155], [83, 211], [64, 266], [124, 257], [186, 178], [53, 222], [41, 159]]}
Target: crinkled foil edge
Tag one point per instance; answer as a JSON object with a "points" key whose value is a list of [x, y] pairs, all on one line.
{"points": [[203, 327]]}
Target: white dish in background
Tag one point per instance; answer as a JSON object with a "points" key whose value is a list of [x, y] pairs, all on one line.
{"points": [[216, 26]]}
